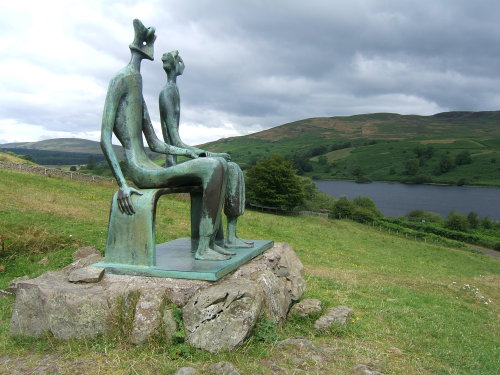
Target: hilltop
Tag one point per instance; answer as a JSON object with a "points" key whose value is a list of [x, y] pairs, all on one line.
{"points": [[381, 146], [420, 308]]}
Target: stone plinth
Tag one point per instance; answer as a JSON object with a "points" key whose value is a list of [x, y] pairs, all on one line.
{"points": [[268, 284]]}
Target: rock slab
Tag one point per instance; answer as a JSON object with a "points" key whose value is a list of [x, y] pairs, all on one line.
{"points": [[306, 307], [339, 314], [222, 316], [217, 315]]}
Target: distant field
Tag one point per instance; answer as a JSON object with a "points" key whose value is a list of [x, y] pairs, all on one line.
{"points": [[406, 294]]}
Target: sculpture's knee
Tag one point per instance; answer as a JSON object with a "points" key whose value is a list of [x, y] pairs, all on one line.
{"points": [[217, 170]]}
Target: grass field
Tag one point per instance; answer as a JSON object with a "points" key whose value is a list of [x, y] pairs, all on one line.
{"points": [[406, 294]]}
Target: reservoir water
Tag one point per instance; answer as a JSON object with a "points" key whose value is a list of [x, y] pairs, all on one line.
{"points": [[396, 199]]}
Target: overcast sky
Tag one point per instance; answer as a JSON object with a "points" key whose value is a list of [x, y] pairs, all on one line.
{"points": [[250, 65]]}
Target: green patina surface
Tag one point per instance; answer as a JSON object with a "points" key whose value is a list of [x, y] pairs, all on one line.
{"points": [[176, 259]]}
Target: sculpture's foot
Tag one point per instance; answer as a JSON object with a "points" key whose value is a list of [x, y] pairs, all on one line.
{"points": [[221, 250], [210, 254], [237, 243]]}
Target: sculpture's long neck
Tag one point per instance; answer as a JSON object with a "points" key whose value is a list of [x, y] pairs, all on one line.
{"points": [[171, 77], [135, 61]]}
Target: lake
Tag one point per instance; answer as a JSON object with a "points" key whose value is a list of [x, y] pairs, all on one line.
{"points": [[396, 199]]}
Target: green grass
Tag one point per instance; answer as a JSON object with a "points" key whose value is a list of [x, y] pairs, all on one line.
{"points": [[405, 294]]}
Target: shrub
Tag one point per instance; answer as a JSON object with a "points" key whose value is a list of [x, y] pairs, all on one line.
{"points": [[486, 223], [424, 216], [273, 182], [343, 208], [457, 221], [363, 215], [463, 158], [368, 204], [473, 220]]}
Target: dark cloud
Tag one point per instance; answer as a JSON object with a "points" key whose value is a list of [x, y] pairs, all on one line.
{"points": [[257, 64]]}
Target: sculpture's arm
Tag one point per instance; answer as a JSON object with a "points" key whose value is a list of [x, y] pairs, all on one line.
{"points": [[170, 126], [115, 93], [158, 146]]}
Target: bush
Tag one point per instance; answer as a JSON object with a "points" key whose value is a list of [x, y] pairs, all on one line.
{"points": [[424, 216], [473, 220], [343, 208], [368, 204], [363, 215], [463, 158], [486, 223], [457, 221], [273, 182]]}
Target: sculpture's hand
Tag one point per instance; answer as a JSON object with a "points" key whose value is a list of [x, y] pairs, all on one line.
{"points": [[224, 155], [192, 154], [124, 201], [217, 154]]}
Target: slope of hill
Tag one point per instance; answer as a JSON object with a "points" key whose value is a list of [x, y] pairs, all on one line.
{"points": [[13, 158], [63, 151], [59, 144], [415, 303], [381, 146]]}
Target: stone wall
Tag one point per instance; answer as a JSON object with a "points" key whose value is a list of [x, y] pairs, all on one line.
{"points": [[52, 172]]}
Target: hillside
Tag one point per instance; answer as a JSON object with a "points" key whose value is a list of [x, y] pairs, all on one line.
{"points": [[416, 306], [13, 158], [63, 151], [380, 146]]}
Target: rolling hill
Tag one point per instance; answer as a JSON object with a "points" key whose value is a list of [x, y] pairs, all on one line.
{"points": [[63, 151], [380, 146]]}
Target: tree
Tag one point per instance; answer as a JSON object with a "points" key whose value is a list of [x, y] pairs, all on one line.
{"points": [[412, 166], [90, 162], [343, 208], [368, 204], [463, 158], [445, 164], [473, 219], [273, 182], [457, 221]]}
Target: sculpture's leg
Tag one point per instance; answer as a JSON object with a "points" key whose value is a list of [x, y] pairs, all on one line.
{"points": [[196, 210], [214, 187], [234, 206]]}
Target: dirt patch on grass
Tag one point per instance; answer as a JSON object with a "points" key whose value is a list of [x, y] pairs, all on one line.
{"points": [[443, 141]]}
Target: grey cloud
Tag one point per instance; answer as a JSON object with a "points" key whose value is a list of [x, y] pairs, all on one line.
{"points": [[260, 63]]}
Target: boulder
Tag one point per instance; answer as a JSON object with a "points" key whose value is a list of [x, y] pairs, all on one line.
{"points": [[217, 315], [89, 274], [147, 316], [306, 307], [84, 252], [363, 370], [283, 262], [277, 300], [222, 316], [50, 303], [83, 262], [339, 315], [223, 368], [169, 324], [186, 371]]}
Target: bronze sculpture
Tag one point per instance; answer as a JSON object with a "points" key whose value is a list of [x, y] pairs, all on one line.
{"points": [[169, 101], [126, 115]]}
